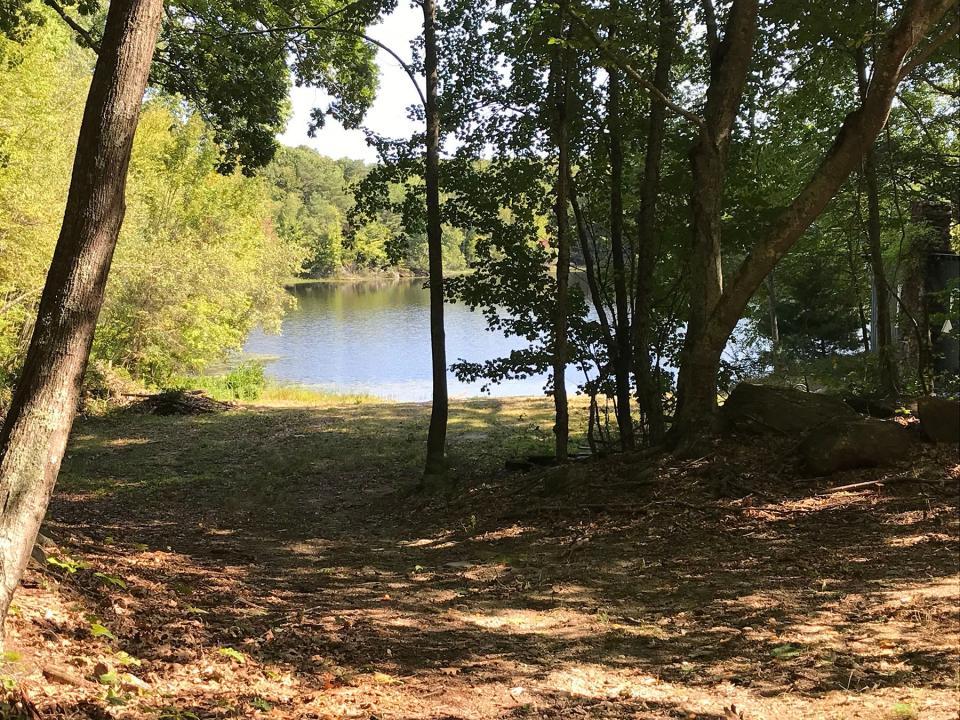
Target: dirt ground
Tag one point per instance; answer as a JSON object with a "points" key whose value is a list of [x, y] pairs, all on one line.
{"points": [[278, 563]]}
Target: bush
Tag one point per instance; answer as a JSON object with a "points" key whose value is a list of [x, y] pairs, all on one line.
{"points": [[246, 381]]}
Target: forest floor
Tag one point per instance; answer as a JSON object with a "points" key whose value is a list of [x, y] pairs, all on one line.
{"points": [[277, 562]]}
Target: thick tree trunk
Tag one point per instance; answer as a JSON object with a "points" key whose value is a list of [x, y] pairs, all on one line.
{"points": [[729, 64], [560, 85], [437, 434], [882, 326], [622, 358], [44, 404], [856, 136], [649, 395]]}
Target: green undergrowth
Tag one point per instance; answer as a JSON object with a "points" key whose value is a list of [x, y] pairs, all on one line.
{"points": [[247, 382]]}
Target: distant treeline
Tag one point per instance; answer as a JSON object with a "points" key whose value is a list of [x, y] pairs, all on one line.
{"points": [[314, 197]]}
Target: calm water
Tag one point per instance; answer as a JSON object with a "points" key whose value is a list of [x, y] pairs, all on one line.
{"points": [[374, 337]]}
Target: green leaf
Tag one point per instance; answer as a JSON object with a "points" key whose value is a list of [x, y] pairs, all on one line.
{"points": [[233, 654], [126, 659], [109, 678], [112, 580], [261, 704], [98, 630], [66, 563], [786, 651]]}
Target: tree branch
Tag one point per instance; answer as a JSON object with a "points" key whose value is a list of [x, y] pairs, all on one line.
{"points": [[921, 56], [710, 20], [342, 31], [621, 63], [79, 29], [857, 135], [10, 304]]}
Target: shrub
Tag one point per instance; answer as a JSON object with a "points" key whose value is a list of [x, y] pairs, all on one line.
{"points": [[246, 381]]}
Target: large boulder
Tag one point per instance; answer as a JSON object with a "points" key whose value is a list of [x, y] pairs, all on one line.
{"points": [[940, 419], [847, 444], [765, 409]]}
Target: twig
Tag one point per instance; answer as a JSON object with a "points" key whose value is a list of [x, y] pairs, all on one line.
{"points": [[652, 89], [885, 481]]}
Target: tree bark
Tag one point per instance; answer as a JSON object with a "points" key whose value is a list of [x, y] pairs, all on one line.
{"points": [[560, 86], [34, 436], [729, 65], [774, 322], [882, 327], [622, 360], [649, 396], [857, 134], [437, 434]]}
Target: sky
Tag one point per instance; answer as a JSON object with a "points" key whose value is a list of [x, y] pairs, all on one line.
{"points": [[388, 116]]}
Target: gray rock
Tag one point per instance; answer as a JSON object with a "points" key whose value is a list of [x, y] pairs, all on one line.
{"points": [[765, 409], [850, 444], [940, 419]]}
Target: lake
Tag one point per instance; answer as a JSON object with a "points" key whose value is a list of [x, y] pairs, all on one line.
{"points": [[374, 337]]}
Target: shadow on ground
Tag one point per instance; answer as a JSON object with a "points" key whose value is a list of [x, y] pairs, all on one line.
{"points": [[280, 562]]}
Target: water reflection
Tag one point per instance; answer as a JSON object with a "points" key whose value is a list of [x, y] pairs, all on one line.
{"points": [[374, 337]]}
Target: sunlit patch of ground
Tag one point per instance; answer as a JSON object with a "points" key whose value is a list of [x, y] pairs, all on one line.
{"points": [[278, 563]]}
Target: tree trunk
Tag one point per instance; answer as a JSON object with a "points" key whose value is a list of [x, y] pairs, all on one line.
{"points": [[882, 326], [44, 404], [649, 396], [592, 266], [437, 434], [774, 322], [622, 358], [729, 64], [560, 86]]}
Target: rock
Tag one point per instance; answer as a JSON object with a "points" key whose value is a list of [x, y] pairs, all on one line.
{"points": [[874, 407], [764, 409], [850, 444], [940, 419]]}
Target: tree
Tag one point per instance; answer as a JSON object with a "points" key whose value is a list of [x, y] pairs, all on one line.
{"points": [[34, 435], [648, 391], [437, 433], [715, 310], [560, 71], [35, 431], [623, 352]]}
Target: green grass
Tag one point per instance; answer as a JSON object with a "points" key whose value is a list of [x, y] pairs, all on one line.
{"points": [[248, 383], [276, 394], [254, 455]]}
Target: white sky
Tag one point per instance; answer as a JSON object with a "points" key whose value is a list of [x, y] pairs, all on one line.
{"points": [[388, 116]]}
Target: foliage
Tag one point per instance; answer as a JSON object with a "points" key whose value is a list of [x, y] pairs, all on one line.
{"points": [[198, 263], [244, 382]]}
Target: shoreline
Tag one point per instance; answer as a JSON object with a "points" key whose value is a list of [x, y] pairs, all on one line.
{"points": [[346, 278]]}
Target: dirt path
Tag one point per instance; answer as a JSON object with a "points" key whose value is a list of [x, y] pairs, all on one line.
{"points": [[275, 563]]}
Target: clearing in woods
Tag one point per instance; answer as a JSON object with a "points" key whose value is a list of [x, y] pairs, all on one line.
{"points": [[276, 562]]}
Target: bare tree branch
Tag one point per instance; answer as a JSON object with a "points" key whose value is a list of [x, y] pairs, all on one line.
{"points": [[341, 31]]}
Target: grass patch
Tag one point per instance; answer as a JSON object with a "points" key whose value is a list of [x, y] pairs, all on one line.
{"points": [[248, 383], [258, 454], [275, 394]]}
